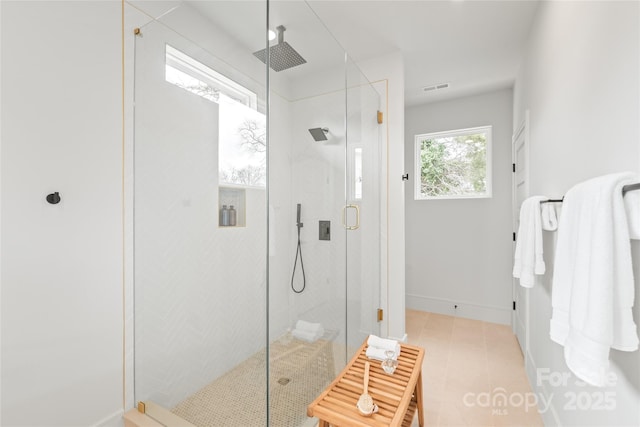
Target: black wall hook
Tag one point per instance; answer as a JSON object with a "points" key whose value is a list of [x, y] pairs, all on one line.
{"points": [[53, 198]]}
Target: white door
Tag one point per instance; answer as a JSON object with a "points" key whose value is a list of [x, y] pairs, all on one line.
{"points": [[520, 152]]}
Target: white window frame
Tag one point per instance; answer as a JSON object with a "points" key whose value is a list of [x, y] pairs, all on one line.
{"points": [[196, 69], [458, 132]]}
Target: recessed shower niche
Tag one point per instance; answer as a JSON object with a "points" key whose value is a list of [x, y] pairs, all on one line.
{"points": [[232, 207]]}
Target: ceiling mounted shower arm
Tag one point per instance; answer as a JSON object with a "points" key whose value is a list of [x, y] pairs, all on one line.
{"points": [[280, 29]]}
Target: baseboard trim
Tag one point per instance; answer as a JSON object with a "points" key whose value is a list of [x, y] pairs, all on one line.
{"points": [[113, 420], [465, 309], [400, 339], [550, 417]]}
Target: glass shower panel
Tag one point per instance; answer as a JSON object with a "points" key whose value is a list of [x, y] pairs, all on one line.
{"points": [[240, 171], [200, 215]]}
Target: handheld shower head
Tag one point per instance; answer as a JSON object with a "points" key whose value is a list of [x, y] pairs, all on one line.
{"points": [[319, 134], [299, 209]]}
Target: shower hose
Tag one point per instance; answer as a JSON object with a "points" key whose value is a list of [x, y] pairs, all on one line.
{"points": [[293, 274]]}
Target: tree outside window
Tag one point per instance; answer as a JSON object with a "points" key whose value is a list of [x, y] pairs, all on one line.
{"points": [[242, 128], [453, 164]]}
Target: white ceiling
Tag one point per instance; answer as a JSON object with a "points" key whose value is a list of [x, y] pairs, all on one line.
{"points": [[474, 45]]}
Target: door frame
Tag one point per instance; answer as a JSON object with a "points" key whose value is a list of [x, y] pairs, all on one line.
{"points": [[520, 137]]}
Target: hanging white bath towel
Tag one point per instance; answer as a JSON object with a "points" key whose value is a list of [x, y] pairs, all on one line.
{"points": [[593, 287], [549, 216], [528, 258]]}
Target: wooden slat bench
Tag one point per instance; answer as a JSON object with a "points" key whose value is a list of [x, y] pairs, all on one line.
{"points": [[398, 396]]}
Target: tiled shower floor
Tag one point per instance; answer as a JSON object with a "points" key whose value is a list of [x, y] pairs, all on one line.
{"points": [[299, 371]]}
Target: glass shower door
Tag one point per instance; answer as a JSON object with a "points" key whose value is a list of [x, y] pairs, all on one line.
{"points": [[363, 191]]}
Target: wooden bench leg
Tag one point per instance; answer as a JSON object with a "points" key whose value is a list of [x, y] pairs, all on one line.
{"points": [[323, 423], [419, 401]]}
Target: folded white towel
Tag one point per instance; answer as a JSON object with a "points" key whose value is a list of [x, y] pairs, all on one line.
{"points": [[303, 325], [380, 353], [307, 336], [549, 216], [528, 259], [632, 207], [377, 347], [593, 286], [383, 343]]}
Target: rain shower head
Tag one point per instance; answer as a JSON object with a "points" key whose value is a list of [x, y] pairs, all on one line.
{"points": [[281, 56], [319, 134]]}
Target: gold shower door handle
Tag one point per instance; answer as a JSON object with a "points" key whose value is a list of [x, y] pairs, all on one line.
{"points": [[344, 217]]}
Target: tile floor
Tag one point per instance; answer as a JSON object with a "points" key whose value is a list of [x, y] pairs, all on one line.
{"points": [[470, 368]]}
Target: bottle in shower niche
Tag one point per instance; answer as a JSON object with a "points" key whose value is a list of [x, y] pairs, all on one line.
{"points": [[224, 216], [232, 216]]}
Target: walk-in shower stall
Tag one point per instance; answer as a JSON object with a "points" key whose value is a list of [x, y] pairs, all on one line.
{"points": [[258, 193]]}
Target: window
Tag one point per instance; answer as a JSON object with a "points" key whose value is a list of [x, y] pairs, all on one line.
{"points": [[355, 173], [454, 164], [194, 76], [242, 129]]}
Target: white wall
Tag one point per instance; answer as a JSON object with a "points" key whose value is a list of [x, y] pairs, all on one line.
{"points": [[61, 265], [580, 81], [459, 251]]}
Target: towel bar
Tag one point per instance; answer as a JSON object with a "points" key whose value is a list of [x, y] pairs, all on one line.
{"points": [[630, 187], [625, 190], [553, 201]]}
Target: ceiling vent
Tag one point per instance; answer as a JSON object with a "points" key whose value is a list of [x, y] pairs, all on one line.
{"points": [[435, 87]]}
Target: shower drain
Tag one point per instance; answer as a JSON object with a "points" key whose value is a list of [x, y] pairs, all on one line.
{"points": [[283, 381]]}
